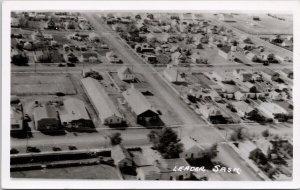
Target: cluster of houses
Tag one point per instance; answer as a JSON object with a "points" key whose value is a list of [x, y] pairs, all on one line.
{"points": [[50, 21], [269, 154], [49, 116], [156, 167], [42, 46], [246, 93]]}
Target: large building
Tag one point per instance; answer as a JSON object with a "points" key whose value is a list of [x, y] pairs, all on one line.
{"points": [[46, 118], [75, 114], [140, 106], [104, 106]]}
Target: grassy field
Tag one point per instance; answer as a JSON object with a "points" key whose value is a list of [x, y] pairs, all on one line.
{"points": [[41, 84], [83, 172], [266, 25]]}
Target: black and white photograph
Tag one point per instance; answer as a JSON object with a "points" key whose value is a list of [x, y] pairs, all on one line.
{"points": [[136, 94]]}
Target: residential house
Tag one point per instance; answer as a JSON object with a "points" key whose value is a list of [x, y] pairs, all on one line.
{"points": [[226, 53], [46, 118], [270, 75], [173, 75], [168, 169], [112, 57], [240, 96], [266, 56], [272, 110], [104, 106], [191, 149], [126, 74], [242, 75], [196, 58], [16, 115], [90, 57], [148, 173], [226, 17], [206, 94], [252, 56], [144, 48], [287, 43], [142, 109], [121, 156], [287, 73], [242, 108], [211, 113], [275, 95]]}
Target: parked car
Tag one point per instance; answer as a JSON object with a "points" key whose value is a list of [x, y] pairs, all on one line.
{"points": [[14, 151], [32, 149], [56, 149]]}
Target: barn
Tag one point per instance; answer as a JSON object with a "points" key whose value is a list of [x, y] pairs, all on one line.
{"points": [[140, 107], [104, 106]]}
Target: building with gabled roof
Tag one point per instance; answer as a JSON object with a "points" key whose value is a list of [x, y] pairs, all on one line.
{"points": [[104, 106], [140, 106], [191, 149], [121, 156], [126, 74], [16, 115], [168, 169], [242, 108], [46, 118]]}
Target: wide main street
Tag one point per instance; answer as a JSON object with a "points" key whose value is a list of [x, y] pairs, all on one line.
{"points": [[186, 115]]}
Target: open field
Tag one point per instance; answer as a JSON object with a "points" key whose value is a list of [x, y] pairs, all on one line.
{"points": [[41, 84], [266, 25], [83, 172]]}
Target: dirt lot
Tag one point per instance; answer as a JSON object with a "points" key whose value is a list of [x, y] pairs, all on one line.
{"points": [[41, 84], [266, 25], [83, 172]]}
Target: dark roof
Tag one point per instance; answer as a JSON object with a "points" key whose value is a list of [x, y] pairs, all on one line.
{"points": [[225, 49]]}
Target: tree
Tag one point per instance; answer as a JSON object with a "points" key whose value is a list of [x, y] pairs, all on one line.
{"points": [[211, 152], [93, 74], [166, 142], [266, 133], [115, 139], [20, 59], [238, 135]]}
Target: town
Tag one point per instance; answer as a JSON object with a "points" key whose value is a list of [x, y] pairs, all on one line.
{"points": [[136, 95]]}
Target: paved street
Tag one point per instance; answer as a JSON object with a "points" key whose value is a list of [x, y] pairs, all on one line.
{"points": [[232, 159]]}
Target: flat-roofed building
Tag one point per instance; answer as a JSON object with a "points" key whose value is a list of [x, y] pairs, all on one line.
{"points": [[104, 106], [74, 114]]}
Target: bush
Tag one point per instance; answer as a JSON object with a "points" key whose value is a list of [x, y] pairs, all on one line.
{"points": [[20, 59], [94, 75]]}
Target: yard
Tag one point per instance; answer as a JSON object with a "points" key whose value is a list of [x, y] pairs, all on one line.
{"points": [[266, 25], [41, 84], [83, 172]]}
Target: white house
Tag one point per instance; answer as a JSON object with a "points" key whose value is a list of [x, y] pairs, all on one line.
{"points": [[173, 75], [126, 74], [191, 149]]}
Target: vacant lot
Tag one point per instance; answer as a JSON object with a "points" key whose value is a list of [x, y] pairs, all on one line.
{"points": [[266, 25], [41, 84], [83, 172]]}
